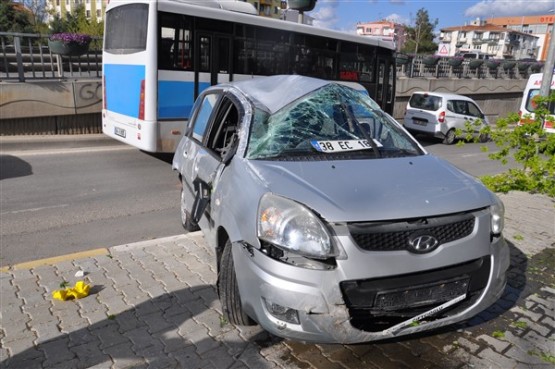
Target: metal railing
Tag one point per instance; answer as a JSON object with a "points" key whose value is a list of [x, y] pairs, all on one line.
{"points": [[445, 67], [27, 56]]}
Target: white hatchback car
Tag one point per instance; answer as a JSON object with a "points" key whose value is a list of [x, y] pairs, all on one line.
{"points": [[441, 114], [329, 222]]}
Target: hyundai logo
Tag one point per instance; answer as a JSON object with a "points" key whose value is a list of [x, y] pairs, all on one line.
{"points": [[422, 243]]}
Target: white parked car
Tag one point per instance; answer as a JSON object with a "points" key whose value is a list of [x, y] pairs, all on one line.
{"points": [[440, 114]]}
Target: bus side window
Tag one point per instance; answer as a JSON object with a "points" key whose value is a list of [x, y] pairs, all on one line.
{"points": [[184, 53], [174, 48]]}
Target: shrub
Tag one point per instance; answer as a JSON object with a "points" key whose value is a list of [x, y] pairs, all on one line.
{"points": [[530, 146]]}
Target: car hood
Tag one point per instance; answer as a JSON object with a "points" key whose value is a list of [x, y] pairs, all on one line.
{"points": [[378, 189]]}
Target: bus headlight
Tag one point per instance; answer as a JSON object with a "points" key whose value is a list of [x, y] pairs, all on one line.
{"points": [[290, 225], [497, 216]]}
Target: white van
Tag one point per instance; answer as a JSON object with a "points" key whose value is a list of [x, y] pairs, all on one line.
{"points": [[440, 114], [527, 106]]}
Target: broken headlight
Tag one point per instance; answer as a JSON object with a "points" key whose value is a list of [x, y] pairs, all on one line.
{"points": [[293, 227], [497, 216]]}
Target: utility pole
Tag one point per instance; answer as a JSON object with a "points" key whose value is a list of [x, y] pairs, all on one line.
{"points": [[548, 66], [545, 89]]}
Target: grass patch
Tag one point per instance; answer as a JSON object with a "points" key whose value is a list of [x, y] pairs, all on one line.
{"points": [[520, 324], [550, 359]]}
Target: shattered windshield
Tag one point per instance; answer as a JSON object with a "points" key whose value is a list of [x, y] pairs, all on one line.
{"points": [[334, 121]]}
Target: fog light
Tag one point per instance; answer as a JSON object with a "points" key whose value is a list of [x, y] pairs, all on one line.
{"points": [[282, 312]]}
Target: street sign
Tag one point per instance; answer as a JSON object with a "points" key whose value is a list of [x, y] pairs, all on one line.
{"points": [[443, 49]]}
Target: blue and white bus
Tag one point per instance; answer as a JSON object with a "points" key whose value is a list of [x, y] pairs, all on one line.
{"points": [[159, 55]]}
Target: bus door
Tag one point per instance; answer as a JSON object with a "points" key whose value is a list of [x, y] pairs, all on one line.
{"points": [[385, 92], [213, 60]]}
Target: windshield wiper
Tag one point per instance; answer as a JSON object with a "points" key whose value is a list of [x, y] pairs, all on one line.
{"points": [[352, 119]]}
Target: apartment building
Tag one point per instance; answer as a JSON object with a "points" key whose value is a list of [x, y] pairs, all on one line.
{"points": [[385, 30], [495, 41], [540, 26], [269, 8], [94, 9]]}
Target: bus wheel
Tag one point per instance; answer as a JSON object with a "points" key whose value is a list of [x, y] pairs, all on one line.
{"points": [[229, 291], [186, 221], [449, 138]]}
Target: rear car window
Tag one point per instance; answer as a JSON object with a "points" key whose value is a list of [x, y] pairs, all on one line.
{"points": [[425, 102]]}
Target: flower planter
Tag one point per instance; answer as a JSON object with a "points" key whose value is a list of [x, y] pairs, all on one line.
{"points": [[523, 67], [72, 44], [455, 62], [402, 59], [536, 67], [492, 64], [473, 64], [430, 61], [69, 48], [508, 65]]}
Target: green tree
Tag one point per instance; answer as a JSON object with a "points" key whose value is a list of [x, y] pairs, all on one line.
{"points": [[13, 18], [38, 14], [529, 145], [76, 22], [420, 37]]}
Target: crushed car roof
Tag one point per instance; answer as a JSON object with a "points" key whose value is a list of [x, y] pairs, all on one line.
{"points": [[275, 92]]}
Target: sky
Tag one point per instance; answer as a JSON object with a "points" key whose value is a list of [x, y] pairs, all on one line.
{"points": [[343, 15]]}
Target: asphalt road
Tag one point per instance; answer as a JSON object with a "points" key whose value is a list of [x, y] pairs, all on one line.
{"points": [[69, 196], [75, 193]]}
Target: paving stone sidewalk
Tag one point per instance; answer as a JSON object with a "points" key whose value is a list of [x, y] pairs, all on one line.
{"points": [[153, 305]]}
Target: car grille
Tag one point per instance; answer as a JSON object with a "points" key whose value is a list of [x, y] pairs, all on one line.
{"points": [[377, 304], [395, 236]]}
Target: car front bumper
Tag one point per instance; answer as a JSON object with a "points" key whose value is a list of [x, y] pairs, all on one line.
{"points": [[317, 297]]}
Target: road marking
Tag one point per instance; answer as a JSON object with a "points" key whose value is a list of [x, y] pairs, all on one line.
{"points": [[34, 209], [56, 259]]}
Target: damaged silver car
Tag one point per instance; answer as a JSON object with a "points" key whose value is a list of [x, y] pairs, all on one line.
{"points": [[330, 223]]}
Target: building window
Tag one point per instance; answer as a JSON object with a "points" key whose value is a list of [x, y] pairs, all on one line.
{"points": [[88, 13], [98, 13]]}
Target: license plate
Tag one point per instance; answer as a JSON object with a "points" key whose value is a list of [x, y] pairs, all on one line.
{"points": [[420, 122], [119, 131], [419, 296], [342, 146]]}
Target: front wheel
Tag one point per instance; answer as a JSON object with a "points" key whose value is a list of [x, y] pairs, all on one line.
{"points": [[229, 291], [450, 137], [483, 138]]}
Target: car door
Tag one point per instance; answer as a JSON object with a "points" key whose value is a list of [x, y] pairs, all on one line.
{"points": [[213, 144], [459, 114], [192, 150], [475, 115]]}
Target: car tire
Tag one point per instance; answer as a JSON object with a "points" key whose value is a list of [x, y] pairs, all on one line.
{"points": [[229, 290], [186, 219], [483, 138], [450, 137]]}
